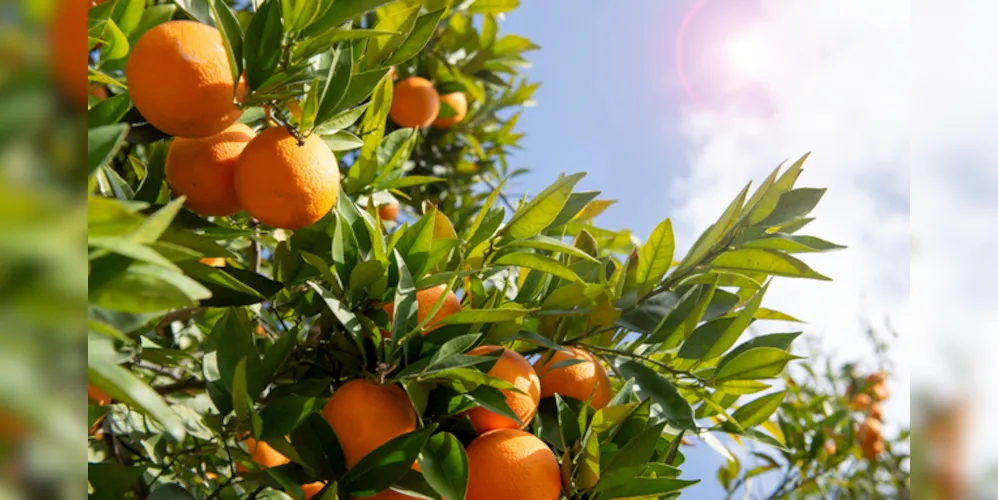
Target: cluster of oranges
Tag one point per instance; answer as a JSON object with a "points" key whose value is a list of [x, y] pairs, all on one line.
{"points": [[179, 79], [867, 401], [504, 461], [416, 104]]}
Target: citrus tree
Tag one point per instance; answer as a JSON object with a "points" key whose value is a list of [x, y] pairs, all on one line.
{"points": [[835, 441], [306, 280]]}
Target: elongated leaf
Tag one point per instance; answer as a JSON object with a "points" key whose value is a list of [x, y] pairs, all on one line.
{"points": [[262, 48], [631, 459], [770, 198], [758, 410], [232, 35], [793, 243], [793, 205], [756, 363], [542, 242], [493, 400], [538, 262], [387, 464], [715, 233], [422, 31], [775, 340], [648, 384], [338, 80], [656, 257], [541, 211], [444, 464], [346, 317], [103, 143], [342, 11], [767, 261], [655, 487], [282, 416], [470, 316], [713, 338]]}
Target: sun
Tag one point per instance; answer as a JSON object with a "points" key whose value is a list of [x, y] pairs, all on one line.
{"points": [[747, 54]]}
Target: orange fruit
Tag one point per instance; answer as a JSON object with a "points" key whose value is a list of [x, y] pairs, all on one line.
{"points": [[99, 92], [425, 300], [365, 415], [179, 79], [871, 450], [876, 411], [204, 170], [876, 378], [285, 184], [515, 369], [861, 402], [67, 46], [389, 211], [213, 261], [512, 464], [263, 454], [459, 102], [869, 431], [577, 381], [312, 489], [415, 103], [880, 392], [830, 447], [97, 396]]}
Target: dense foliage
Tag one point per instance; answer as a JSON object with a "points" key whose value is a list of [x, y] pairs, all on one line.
{"points": [[196, 357]]}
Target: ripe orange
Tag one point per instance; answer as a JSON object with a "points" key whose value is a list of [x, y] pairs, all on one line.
{"points": [[459, 102], [578, 381], [512, 464], [876, 378], [97, 396], [869, 431], [213, 261], [425, 299], [830, 448], [880, 392], [179, 79], [67, 47], [515, 369], [861, 402], [365, 415], [284, 184], [389, 211], [312, 489], [263, 454], [415, 103], [204, 170]]}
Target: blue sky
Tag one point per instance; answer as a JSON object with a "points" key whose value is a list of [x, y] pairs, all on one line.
{"points": [[765, 80]]}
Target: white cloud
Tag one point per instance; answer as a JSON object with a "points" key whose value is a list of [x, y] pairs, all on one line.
{"points": [[839, 87], [844, 91]]}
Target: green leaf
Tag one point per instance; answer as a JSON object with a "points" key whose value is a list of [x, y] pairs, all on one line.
{"points": [[282, 416], [776, 340], [342, 140], [399, 18], [758, 410], [341, 120], [491, 399], [770, 314], [631, 459], [146, 289], [648, 315], [715, 233], [232, 35], [471, 316], [541, 211], [405, 304], [338, 80], [542, 242], [568, 424], [537, 262], [365, 170], [262, 49], [444, 464], [589, 461], [230, 286], [108, 111], [649, 384], [422, 31], [793, 205], [311, 46], [342, 11], [453, 347], [409, 181], [366, 273], [756, 363], [716, 336], [103, 143], [363, 85], [132, 249], [278, 352], [384, 466], [316, 444], [649, 487], [493, 6], [793, 243], [576, 205], [766, 261], [155, 173], [656, 257], [122, 385], [240, 397], [769, 198], [345, 316]]}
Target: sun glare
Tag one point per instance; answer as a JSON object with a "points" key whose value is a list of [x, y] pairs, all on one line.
{"points": [[747, 54]]}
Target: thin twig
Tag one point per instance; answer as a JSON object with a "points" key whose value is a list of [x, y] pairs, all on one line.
{"points": [[182, 385], [638, 356]]}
